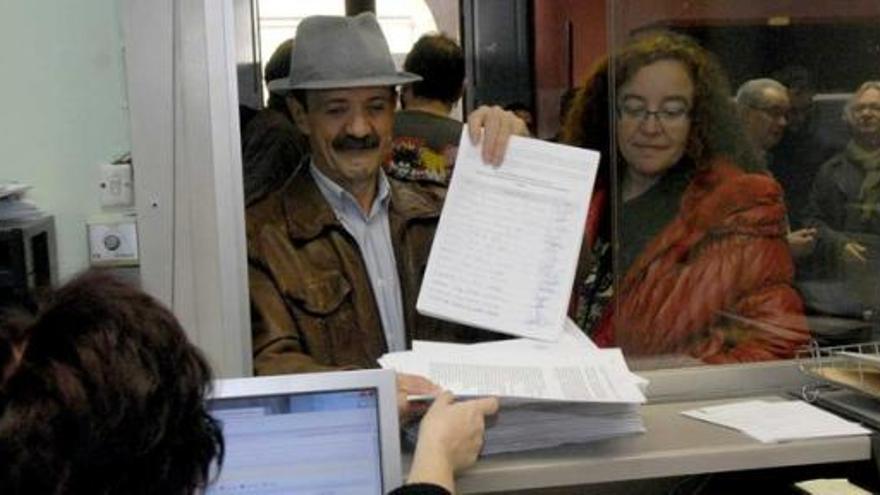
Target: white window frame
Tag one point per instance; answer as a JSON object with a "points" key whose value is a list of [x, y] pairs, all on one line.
{"points": [[180, 71]]}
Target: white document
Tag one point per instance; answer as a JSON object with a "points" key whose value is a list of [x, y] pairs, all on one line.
{"points": [[573, 340], [603, 377], [781, 421], [506, 248]]}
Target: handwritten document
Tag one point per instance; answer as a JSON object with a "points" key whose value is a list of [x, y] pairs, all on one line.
{"points": [[505, 252]]}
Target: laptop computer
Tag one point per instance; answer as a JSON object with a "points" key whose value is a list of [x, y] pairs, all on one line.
{"points": [[319, 433]]}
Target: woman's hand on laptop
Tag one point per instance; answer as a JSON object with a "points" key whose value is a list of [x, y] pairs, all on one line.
{"points": [[450, 439], [413, 385]]}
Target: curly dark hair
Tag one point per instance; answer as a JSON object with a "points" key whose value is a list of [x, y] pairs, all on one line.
{"points": [[102, 393], [716, 127]]}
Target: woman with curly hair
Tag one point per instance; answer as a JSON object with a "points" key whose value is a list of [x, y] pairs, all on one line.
{"points": [[700, 230]]}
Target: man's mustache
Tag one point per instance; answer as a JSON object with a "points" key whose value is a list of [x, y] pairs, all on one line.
{"points": [[346, 142]]}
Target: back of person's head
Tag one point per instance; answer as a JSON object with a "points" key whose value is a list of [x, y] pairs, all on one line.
{"points": [[751, 93], [278, 67], [801, 90], [796, 78], [440, 62], [102, 393], [716, 128]]}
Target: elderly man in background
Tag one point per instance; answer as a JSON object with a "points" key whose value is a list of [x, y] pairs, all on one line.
{"points": [[764, 105], [336, 256], [846, 193]]}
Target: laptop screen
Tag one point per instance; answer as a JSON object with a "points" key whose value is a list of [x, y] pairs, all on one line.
{"points": [[326, 442]]}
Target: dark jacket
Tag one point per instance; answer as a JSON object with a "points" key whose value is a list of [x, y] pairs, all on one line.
{"points": [[311, 301], [835, 208]]}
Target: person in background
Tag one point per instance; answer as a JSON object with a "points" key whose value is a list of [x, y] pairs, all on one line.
{"points": [[101, 392], [845, 199], [271, 145], [425, 136], [337, 254], [764, 105], [808, 142], [705, 272]]}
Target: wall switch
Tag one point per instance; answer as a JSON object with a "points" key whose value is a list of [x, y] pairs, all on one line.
{"points": [[113, 240], [116, 185]]}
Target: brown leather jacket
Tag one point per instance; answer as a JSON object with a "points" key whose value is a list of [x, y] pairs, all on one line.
{"points": [[311, 302]]}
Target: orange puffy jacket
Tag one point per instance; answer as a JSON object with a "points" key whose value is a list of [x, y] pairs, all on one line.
{"points": [[715, 283]]}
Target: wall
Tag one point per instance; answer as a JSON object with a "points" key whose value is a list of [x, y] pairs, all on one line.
{"points": [[558, 66], [64, 109]]}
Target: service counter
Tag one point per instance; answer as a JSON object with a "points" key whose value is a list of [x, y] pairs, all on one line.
{"points": [[673, 445]]}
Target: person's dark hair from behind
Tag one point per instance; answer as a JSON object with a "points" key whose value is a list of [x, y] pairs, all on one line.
{"points": [[278, 67], [440, 62], [102, 393]]}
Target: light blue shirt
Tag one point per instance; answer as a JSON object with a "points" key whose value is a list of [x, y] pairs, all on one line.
{"points": [[372, 233]]}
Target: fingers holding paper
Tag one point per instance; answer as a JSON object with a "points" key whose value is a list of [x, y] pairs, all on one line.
{"points": [[409, 385], [494, 126]]}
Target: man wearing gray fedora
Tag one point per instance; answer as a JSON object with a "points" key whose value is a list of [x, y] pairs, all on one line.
{"points": [[337, 254]]}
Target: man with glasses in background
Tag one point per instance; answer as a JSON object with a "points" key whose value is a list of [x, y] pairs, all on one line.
{"points": [[764, 105]]}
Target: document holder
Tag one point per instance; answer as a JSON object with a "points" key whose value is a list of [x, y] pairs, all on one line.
{"points": [[854, 366]]}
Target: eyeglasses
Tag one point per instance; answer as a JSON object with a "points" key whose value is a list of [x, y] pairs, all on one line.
{"points": [[668, 117]]}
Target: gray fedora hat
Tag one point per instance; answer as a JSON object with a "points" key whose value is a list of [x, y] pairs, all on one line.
{"points": [[341, 52]]}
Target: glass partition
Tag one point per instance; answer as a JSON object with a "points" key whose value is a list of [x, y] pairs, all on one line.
{"points": [[738, 210], [735, 219]]}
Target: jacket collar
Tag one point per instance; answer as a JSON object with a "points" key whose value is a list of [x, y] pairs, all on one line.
{"points": [[308, 213]]}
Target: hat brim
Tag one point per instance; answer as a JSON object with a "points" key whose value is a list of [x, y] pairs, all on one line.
{"points": [[281, 85]]}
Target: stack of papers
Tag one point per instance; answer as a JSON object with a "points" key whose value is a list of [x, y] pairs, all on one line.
{"points": [[13, 208], [781, 421], [551, 394], [504, 259]]}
